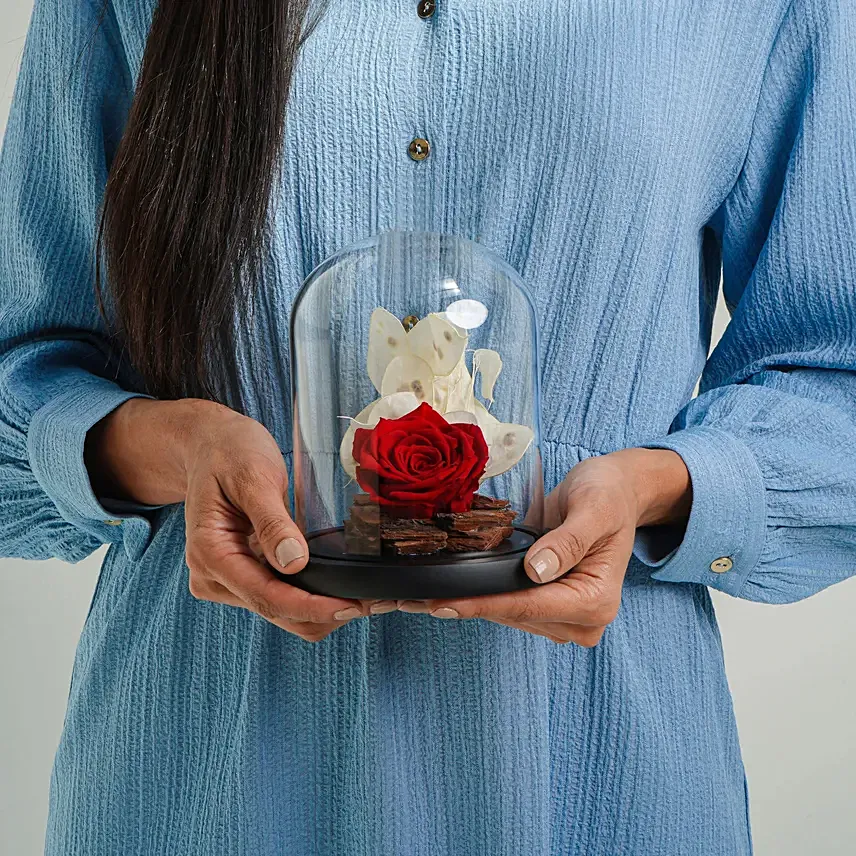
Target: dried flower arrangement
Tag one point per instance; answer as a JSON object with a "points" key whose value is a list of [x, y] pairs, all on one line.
{"points": [[421, 450]]}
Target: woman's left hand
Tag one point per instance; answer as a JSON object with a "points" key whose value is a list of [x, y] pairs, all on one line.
{"points": [[593, 516]]}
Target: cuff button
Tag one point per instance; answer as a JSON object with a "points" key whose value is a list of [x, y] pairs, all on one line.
{"points": [[113, 522], [721, 565]]}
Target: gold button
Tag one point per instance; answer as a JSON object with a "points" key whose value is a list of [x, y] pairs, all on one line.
{"points": [[721, 565], [426, 8], [113, 522], [419, 149]]}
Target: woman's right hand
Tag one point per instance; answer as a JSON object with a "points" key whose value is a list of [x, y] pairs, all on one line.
{"points": [[230, 473]]}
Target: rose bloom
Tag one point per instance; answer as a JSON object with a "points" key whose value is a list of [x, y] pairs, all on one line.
{"points": [[419, 464]]}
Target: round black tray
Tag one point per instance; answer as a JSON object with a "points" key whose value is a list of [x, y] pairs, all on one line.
{"points": [[334, 572]]}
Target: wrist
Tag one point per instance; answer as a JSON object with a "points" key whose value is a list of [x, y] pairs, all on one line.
{"points": [[142, 450], [661, 485]]}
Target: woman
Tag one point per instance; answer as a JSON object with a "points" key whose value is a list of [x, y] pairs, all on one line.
{"points": [[620, 156]]}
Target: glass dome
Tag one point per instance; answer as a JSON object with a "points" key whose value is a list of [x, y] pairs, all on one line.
{"points": [[417, 469]]}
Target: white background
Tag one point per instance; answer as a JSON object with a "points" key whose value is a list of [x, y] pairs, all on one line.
{"points": [[791, 673]]}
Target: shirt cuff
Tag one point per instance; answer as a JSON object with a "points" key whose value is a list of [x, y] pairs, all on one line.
{"points": [[726, 529], [55, 443]]}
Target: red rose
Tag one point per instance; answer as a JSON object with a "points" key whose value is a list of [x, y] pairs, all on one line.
{"points": [[420, 464]]}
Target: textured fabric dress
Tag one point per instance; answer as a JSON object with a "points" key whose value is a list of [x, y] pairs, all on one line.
{"points": [[619, 154]]}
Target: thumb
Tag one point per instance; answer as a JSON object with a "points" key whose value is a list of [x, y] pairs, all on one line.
{"points": [[563, 548], [280, 540]]}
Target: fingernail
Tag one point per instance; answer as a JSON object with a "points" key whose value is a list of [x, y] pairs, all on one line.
{"points": [[545, 563], [347, 614], [445, 612], [383, 606], [412, 606], [287, 551]]}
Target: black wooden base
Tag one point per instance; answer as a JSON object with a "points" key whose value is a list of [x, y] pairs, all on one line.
{"points": [[335, 572]]}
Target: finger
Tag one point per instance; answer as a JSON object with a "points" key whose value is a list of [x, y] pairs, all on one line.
{"points": [[308, 631], [278, 601], [379, 607], [262, 500], [562, 634], [578, 598], [533, 629], [561, 549], [557, 602], [211, 590]]}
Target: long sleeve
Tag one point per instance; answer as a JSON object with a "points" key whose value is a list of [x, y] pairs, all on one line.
{"points": [[770, 442], [57, 371]]}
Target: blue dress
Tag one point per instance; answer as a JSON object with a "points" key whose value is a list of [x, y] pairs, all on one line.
{"points": [[619, 154]]}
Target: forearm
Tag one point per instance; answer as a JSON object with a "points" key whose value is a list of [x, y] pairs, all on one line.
{"points": [[138, 452]]}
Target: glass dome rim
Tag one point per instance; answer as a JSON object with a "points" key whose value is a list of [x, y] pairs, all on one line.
{"points": [[373, 241]]}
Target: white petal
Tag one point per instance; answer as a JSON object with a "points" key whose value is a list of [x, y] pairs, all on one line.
{"points": [[506, 445], [387, 340], [346, 448], [489, 364], [409, 374], [460, 416], [455, 390], [487, 422], [437, 342], [466, 314], [393, 406]]}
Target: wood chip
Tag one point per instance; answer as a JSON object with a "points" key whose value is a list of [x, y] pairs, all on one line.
{"points": [[478, 541], [369, 530]]}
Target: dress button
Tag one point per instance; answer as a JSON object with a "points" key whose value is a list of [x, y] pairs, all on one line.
{"points": [[419, 149], [721, 565], [426, 8]]}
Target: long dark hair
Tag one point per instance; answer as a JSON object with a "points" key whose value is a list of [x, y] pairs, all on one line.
{"points": [[184, 218]]}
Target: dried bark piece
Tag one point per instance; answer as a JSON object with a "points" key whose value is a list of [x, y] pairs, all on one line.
{"points": [[370, 530], [481, 502], [366, 515], [471, 521], [361, 543], [479, 541], [395, 529], [416, 548]]}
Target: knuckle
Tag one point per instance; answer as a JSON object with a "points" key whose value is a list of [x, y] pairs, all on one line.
{"points": [[316, 634], [313, 614], [256, 475], [589, 638], [261, 606], [244, 481], [601, 612], [197, 588], [570, 545], [270, 527], [526, 612], [605, 614], [195, 563]]}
